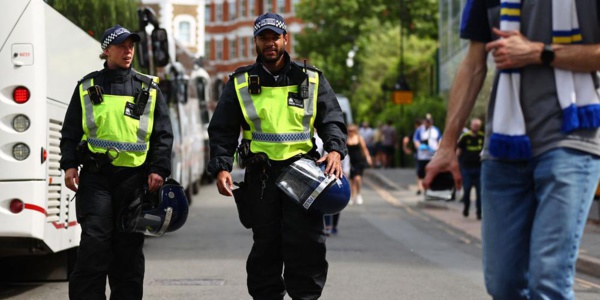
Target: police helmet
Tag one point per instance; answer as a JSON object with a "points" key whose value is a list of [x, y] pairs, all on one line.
{"points": [[305, 183], [156, 213]]}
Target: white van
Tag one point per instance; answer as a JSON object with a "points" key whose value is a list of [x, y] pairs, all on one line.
{"points": [[345, 105]]}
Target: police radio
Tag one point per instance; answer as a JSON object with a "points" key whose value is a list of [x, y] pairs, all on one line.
{"points": [[95, 94], [254, 85]]}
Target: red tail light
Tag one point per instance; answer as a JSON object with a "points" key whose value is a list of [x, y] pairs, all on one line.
{"points": [[16, 206], [21, 94]]}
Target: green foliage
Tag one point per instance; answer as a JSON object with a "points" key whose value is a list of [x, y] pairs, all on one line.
{"points": [[372, 26], [95, 16]]}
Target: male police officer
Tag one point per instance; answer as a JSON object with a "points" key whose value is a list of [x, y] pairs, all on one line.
{"points": [[278, 103], [118, 126]]}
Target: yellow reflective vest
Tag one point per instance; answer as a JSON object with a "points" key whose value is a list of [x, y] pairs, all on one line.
{"points": [[106, 126], [281, 125]]}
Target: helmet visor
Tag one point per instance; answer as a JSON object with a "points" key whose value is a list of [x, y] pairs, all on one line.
{"points": [[303, 181]]}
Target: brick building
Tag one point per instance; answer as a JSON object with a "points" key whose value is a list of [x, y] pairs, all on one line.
{"points": [[220, 31]]}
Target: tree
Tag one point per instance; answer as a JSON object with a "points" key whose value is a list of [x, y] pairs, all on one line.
{"points": [[95, 16]]}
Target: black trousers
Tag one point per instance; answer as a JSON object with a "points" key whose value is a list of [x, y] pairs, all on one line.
{"points": [[288, 241], [104, 251]]}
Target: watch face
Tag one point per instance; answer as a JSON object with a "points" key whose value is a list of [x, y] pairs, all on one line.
{"points": [[547, 55]]}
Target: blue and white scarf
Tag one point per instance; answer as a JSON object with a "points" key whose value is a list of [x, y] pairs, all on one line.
{"points": [[576, 93]]}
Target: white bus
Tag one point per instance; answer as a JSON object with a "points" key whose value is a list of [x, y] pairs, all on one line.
{"points": [[42, 56]]}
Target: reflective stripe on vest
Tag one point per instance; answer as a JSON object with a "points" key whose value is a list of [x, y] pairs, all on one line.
{"points": [[105, 126], [277, 128]]}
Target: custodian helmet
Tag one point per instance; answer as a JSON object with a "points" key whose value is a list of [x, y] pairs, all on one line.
{"points": [[156, 213], [305, 183]]}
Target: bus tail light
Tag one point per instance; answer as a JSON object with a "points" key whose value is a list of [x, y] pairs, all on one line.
{"points": [[21, 123], [21, 95], [16, 206]]}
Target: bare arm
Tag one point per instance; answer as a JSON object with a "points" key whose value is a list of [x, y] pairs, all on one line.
{"points": [[513, 50], [365, 150], [465, 88]]}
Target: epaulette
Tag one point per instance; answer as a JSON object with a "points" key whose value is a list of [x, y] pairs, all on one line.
{"points": [[301, 65], [242, 70], [147, 79], [91, 75]]}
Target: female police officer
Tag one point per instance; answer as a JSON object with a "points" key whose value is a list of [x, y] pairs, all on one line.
{"points": [[278, 103], [124, 121]]}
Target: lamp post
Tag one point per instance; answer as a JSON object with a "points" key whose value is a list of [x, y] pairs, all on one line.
{"points": [[401, 91]]}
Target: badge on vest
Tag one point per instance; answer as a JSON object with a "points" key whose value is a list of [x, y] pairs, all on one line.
{"points": [[130, 111], [294, 99]]}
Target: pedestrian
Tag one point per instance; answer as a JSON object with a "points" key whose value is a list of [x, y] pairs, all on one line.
{"points": [[406, 147], [426, 140], [278, 103], [368, 134], [540, 160], [470, 145], [389, 143], [360, 158], [117, 125]]}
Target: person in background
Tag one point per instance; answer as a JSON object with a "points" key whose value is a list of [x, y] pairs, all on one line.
{"points": [[360, 158], [541, 160], [116, 143], [389, 144], [368, 134], [406, 147], [279, 103], [470, 145], [426, 140]]}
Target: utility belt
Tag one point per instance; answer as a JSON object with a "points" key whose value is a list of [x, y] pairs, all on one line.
{"points": [[95, 162]]}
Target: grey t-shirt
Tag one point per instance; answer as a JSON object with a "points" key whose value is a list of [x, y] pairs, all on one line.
{"points": [[539, 102]]}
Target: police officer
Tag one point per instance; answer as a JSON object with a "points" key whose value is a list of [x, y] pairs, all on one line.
{"points": [[117, 125], [278, 104]]}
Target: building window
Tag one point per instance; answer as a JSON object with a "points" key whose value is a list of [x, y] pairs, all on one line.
{"points": [[206, 51], [219, 50], [280, 6], [232, 49], [242, 9], [252, 8], [219, 12], [268, 6], [232, 10], [294, 2], [242, 47], [207, 14], [185, 28]]}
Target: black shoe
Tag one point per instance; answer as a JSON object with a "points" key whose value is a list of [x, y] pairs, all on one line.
{"points": [[478, 216], [418, 192], [465, 213]]}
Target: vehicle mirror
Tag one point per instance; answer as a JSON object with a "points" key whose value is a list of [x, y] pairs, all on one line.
{"points": [[142, 50]]}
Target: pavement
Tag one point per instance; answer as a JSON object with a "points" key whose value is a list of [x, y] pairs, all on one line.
{"points": [[401, 182]]}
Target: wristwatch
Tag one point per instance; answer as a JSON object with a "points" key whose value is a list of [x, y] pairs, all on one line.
{"points": [[547, 55]]}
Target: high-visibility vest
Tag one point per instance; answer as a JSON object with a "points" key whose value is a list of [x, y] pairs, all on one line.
{"points": [[105, 125], [279, 127]]}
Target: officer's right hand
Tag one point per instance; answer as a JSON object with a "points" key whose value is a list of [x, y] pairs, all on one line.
{"points": [[225, 183], [72, 179]]}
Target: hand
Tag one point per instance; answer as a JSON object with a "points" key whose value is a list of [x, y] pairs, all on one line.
{"points": [[72, 179], [334, 164], [443, 160], [225, 183], [155, 181], [513, 50]]}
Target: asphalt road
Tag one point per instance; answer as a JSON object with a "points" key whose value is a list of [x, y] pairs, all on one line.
{"points": [[382, 251]]}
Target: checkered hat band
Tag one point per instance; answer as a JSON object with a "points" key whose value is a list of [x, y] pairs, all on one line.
{"points": [[280, 137], [270, 22], [111, 37], [131, 147]]}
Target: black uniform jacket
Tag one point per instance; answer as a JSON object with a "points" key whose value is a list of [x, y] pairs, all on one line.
{"points": [[123, 82], [224, 127]]}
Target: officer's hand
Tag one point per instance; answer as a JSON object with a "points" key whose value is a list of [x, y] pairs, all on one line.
{"points": [[155, 181], [334, 164], [72, 179], [444, 160], [225, 183]]}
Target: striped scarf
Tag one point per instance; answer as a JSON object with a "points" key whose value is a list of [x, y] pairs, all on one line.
{"points": [[576, 93]]}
